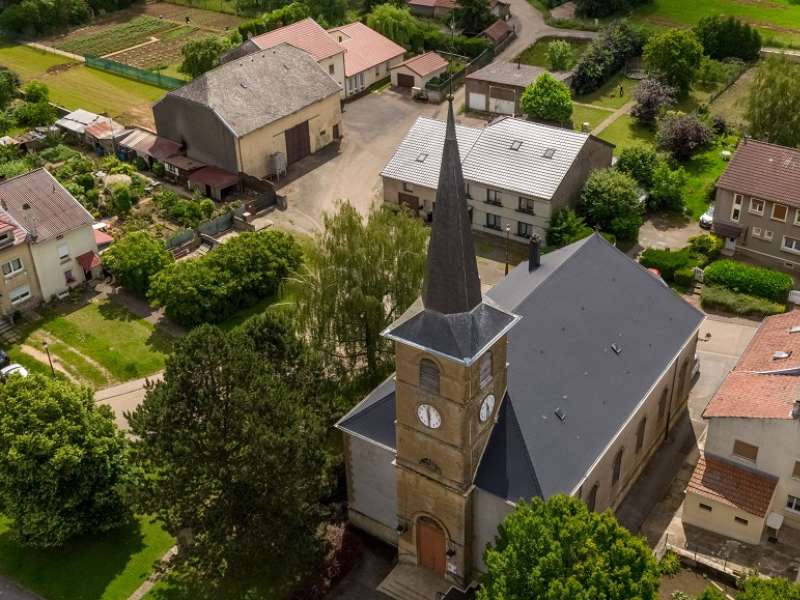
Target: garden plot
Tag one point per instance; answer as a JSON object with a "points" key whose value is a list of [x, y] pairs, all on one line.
{"points": [[114, 38], [162, 53]]}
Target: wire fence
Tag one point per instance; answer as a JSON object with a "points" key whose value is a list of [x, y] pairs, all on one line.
{"points": [[141, 75]]}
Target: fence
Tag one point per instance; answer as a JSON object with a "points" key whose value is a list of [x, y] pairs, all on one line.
{"points": [[149, 77], [179, 239]]}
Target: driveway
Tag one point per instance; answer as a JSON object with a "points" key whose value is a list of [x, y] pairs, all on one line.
{"points": [[124, 397]]}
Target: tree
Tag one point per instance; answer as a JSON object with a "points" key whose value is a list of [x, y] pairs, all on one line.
{"points": [[728, 37], [547, 99], [652, 97], [135, 259], [773, 104], [777, 588], [121, 199], [640, 162], [396, 23], [667, 190], [235, 453], [361, 275], [473, 16], [610, 201], [35, 114], [560, 55], [682, 135], [35, 92], [673, 57], [201, 55], [329, 12], [9, 82], [63, 462], [606, 55], [566, 227], [560, 549]]}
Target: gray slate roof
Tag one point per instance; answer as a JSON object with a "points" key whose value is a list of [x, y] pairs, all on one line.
{"points": [[260, 88], [487, 157], [582, 299], [513, 74]]}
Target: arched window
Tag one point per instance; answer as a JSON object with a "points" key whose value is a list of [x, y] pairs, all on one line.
{"points": [[486, 368], [640, 434], [429, 376], [617, 467], [591, 499]]}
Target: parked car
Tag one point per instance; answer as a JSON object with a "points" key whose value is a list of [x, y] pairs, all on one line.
{"points": [[13, 369], [707, 218]]}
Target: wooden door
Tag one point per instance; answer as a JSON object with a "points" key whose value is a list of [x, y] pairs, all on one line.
{"points": [[430, 546], [412, 202], [298, 143], [404, 80]]}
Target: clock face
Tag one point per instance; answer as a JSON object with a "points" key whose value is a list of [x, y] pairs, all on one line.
{"points": [[429, 416], [487, 407]]}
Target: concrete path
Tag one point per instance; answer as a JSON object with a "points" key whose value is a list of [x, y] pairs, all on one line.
{"points": [[148, 584], [51, 50], [605, 123], [125, 397]]}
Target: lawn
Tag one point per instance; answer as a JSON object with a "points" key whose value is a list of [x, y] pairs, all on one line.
{"points": [[703, 171], [588, 114], [625, 132], [608, 95], [536, 54], [732, 103], [779, 19], [223, 6], [104, 567]]}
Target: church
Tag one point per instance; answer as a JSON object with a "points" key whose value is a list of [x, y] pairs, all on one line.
{"points": [[564, 378]]}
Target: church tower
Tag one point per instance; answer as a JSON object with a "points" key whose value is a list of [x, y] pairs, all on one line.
{"points": [[450, 358]]}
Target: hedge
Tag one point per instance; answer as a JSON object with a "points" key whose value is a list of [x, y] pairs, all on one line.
{"points": [[718, 298], [708, 245], [684, 277], [747, 279], [669, 262]]}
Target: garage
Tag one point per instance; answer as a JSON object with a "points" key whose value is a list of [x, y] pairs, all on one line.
{"points": [[501, 101], [405, 81], [477, 102], [418, 71], [298, 142]]}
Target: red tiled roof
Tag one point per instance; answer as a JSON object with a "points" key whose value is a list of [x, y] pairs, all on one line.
{"points": [[425, 64], [497, 31], [152, 145], [214, 177], [755, 388], [89, 260], [101, 238], [184, 163], [764, 170], [306, 35], [364, 47], [732, 485]]}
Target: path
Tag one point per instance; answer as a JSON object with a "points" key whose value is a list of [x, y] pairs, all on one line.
{"points": [[52, 50], [605, 123], [42, 358], [148, 584], [125, 397]]}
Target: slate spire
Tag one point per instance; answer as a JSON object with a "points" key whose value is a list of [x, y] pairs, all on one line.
{"points": [[451, 279]]}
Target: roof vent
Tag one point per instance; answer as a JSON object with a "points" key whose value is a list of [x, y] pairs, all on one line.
{"points": [[560, 414], [549, 153], [616, 349], [781, 355], [243, 84], [421, 157], [795, 329], [516, 145]]}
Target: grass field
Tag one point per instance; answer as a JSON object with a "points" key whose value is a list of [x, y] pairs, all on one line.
{"points": [[104, 567], [625, 132], [703, 171], [608, 95], [536, 54], [776, 18], [588, 114]]}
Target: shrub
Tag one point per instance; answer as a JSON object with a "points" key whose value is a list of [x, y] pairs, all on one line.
{"points": [[666, 192], [684, 277], [719, 298], [707, 245], [135, 259], [749, 279], [606, 55], [560, 56], [121, 199], [639, 162], [668, 262], [35, 91], [711, 593], [547, 99], [652, 97], [711, 71], [158, 169], [670, 563], [566, 227], [682, 135], [725, 37], [610, 201]]}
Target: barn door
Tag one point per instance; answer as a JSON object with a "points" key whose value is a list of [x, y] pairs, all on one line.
{"points": [[430, 546], [298, 143]]}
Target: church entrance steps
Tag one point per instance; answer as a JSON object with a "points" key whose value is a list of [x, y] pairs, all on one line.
{"points": [[409, 582]]}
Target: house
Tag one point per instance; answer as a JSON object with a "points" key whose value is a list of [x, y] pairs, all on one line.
{"points": [[20, 288], [747, 480], [63, 250], [353, 55], [240, 114], [518, 173], [146, 145], [498, 31], [432, 9], [757, 204], [418, 71], [498, 87], [563, 378], [368, 56]]}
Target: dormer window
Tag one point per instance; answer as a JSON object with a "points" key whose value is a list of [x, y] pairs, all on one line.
{"points": [[429, 376]]}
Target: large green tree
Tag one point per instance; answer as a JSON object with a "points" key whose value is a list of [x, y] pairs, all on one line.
{"points": [[673, 56], [202, 55], [473, 16], [396, 23], [63, 462], [559, 550], [233, 441], [547, 99], [610, 201], [361, 275], [773, 104], [9, 83], [135, 258]]}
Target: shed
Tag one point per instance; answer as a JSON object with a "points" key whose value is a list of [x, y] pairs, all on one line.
{"points": [[418, 71], [178, 167], [498, 87], [498, 31], [148, 146], [213, 182]]}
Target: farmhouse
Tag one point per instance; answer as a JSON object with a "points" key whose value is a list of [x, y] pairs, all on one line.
{"points": [[243, 114], [564, 378], [518, 173], [417, 71], [498, 87]]}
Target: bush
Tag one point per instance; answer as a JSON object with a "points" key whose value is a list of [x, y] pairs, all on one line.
{"points": [[684, 277], [748, 279], [560, 56], [712, 593], [670, 563], [610, 201], [719, 298], [606, 55], [728, 37], [547, 99], [667, 190], [707, 245], [668, 262], [682, 135], [640, 162], [652, 97], [566, 227], [135, 259]]}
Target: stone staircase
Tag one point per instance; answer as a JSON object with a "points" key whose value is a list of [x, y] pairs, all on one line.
{"points": [[409, 582], [8, 333]]}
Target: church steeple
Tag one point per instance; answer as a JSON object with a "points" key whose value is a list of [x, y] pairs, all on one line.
{"points": [[451, 282]]}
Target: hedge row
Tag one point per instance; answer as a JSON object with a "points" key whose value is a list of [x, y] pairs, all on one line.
{"points": [[718, 298], [669, 263], [747, 279]]}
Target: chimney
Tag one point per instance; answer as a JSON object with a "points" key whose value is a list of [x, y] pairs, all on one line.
{"points": [[533, 253], [796, 410]]}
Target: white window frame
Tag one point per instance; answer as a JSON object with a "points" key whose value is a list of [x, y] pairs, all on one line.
{"points": [[786, 248], [20, 294], [171, 169], [526, 226], [736, 207], [494, 196], [772, 213], [407, 187], [12, 272], [755, 211], [797, 216], [795, 501], [756, 231], [63, 252]]}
